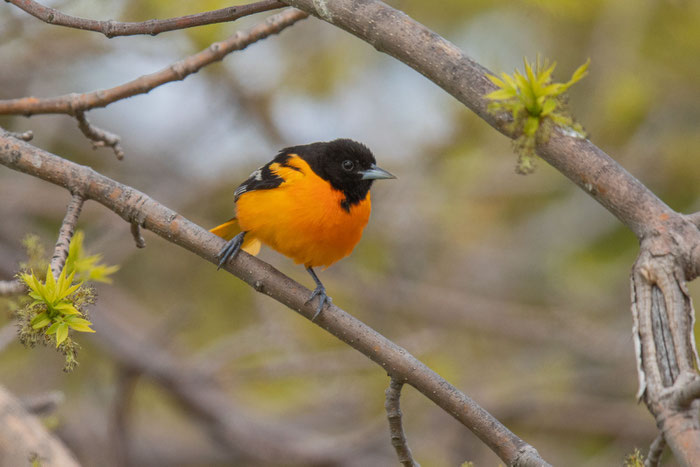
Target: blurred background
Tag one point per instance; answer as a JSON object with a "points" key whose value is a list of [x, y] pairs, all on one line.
{"points": [[514, 288]]}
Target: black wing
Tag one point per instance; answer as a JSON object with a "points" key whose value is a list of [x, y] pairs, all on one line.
{"points": [[263, 178]]}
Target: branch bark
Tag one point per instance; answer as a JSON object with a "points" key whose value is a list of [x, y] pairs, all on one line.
{"points": [[656, 450], [133, 205], [65, 234], [394, 414], [9, 288], [23, 438], [73, 104], [98, 136], [113, 28]]}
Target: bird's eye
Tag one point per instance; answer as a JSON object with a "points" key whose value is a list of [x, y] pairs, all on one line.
{"points": [[348, 165]]}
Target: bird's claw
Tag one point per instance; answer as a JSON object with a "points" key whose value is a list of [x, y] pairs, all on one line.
{"points": [[230, 249], [320, 292]]}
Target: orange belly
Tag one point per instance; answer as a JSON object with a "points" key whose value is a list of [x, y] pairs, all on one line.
{"points": [[302, 218]]}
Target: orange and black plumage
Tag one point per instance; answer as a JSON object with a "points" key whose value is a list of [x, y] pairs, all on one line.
{"points": [[310, 203]]}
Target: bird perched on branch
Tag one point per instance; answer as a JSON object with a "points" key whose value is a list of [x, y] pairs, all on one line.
{"points": [[310, 203]]}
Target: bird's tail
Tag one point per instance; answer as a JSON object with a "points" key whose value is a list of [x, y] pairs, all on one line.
{"points": [[230, 229]]}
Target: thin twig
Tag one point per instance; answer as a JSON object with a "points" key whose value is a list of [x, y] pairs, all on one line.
{"points": [[98, 136], [65, 234], [656, 450], [393, 412], [9, 288], [72, 103], [136, 233], [113, 28]]}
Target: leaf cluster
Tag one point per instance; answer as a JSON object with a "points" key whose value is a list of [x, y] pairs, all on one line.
{"points": [[53, 307], [535, 104]]}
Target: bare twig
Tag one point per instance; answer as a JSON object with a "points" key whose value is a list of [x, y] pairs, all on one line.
{"points": [[65, 234], [656, 450], [116, 28], [9, 288], [98, 136], [136, 233], [264, 278], [73, 103], [393, 412]]}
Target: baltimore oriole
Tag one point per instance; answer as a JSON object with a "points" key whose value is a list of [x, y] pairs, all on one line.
{"points": [[309, 203]]}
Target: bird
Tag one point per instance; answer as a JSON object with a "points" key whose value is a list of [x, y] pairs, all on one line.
{"points": [[310, 203]]}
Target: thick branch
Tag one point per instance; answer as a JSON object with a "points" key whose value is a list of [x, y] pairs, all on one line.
{"points": [[131, 204], [393, 412], [65, 234], [73, 103], [116, 28], [23, 438], [396, 34]]}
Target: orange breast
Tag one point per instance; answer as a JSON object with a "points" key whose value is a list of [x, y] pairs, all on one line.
{"points": [[302, 218]]}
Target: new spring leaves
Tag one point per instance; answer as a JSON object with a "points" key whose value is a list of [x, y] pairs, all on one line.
{"points": [[59, 312], [55, 306], [535, 103]]}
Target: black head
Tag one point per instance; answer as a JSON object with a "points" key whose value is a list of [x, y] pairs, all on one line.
{"points": [[347, 165]]}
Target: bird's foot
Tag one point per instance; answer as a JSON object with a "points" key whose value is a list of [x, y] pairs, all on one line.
{"points": [[323, 298], [230, 249]]}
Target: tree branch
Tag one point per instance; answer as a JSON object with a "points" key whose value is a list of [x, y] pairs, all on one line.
{"points": [[116, 28], [65, 234], [10, 288], [136, 233], [687, 394], [72, 104], [98, 136], [393, 412], [656, 450], [131, 204], [24, 438]]}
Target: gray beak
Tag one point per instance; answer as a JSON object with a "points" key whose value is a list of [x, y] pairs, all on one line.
{"points": [[375, 173]]}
